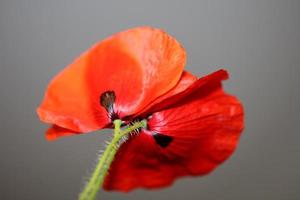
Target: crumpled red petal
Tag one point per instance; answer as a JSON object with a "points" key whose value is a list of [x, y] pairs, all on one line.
{"points": [[139, 65], [205, 128], [193, 86], [186, 80]]}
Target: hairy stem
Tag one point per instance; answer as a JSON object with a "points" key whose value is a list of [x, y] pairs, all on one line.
{"points": [[101, 169]]}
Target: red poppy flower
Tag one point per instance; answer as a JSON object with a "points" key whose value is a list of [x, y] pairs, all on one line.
{"points": [[192, 124]]}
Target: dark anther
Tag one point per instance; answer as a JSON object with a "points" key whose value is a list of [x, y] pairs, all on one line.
{"points": [[162, 140], [107, 100]]}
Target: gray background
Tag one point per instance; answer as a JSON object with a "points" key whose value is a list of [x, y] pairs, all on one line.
{"points": [[258, 41]]}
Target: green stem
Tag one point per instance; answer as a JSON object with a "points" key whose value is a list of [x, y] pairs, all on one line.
{"points": [[101, 169]]}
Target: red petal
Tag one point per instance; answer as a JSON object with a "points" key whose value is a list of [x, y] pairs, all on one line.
{"points": [[55, 132], [186, 80], [139, 65], [205, 129]]}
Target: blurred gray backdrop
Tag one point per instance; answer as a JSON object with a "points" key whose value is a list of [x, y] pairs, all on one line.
{"points": [[258, 41]]}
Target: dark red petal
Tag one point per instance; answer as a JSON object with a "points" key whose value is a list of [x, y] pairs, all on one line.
{"points": [[205, 129], [190, 88], [141, 163], [138, 65]]}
